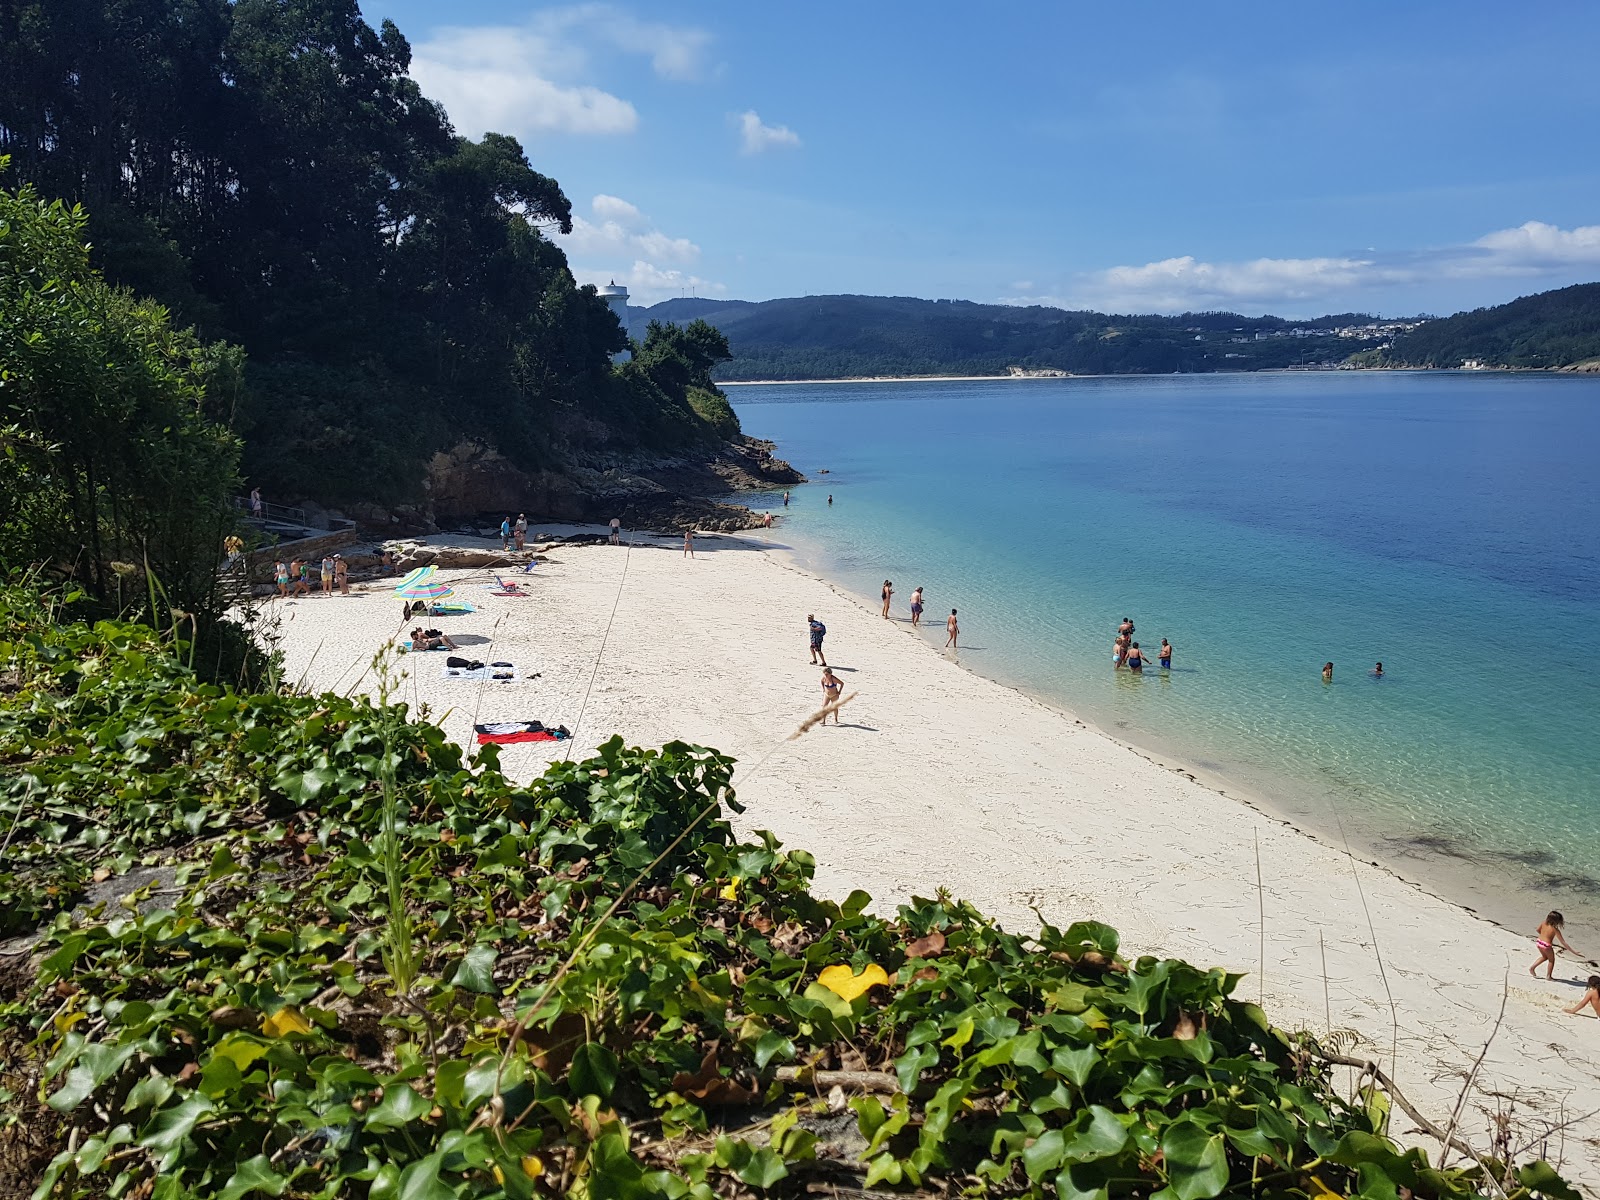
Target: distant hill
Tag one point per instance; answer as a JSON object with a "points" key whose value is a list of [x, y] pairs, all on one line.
{"points": [[1548, 330], [824, 337]]}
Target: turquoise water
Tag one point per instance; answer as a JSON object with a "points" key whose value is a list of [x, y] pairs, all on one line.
{"points": [[1445, 524]]}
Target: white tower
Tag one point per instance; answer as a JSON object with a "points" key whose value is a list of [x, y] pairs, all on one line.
{"points": [[615, 295]]}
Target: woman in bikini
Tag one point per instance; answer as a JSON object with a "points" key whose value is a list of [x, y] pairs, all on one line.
{"points": [[1119, 650], [832, 686], [1548, 937], [888, 594]]}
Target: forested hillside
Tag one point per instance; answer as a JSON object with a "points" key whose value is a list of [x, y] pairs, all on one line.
{"points": [[1547, 330], [820, 337], [271, 174]]}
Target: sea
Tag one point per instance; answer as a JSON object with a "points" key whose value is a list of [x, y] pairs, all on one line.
{"points": [[1446, 524]]}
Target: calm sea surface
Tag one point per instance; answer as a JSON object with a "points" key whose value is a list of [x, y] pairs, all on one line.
{"points": [[1446, 524]]}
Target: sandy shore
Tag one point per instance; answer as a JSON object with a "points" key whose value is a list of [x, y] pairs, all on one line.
{"points": [[940, 777]]}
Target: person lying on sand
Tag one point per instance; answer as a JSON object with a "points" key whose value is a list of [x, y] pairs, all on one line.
{"points": [[431, 639], [1549, 935], [1591, 998]]}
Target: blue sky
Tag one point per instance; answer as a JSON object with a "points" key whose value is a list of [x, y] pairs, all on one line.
{"points": [[1285, 158]]}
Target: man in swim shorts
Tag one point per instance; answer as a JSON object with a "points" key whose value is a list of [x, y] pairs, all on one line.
{"points": [[1165, 654], [818, 632], [916, 608]]}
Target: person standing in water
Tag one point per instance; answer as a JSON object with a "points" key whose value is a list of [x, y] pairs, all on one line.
{"points": [[830, 499], [1547, 938], [817, 631], [786, 499], [1377, 671], [953, 629], [832, 686], [916, 608], [1165, 655], [1119, 650], [1126, 628], [1327, 672], [888, 594], [688, 543], [1135, 658]]}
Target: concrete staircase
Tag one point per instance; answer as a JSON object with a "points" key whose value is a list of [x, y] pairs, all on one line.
{"points": [[233, 583]]}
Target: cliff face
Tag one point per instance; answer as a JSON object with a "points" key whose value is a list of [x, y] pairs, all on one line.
{"points": [[664, 491]]}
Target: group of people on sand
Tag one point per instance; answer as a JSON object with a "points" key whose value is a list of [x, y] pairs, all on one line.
{"points": [[1549, 935], [1125, 652], [514, 534], [294, 577], [952, 626]]}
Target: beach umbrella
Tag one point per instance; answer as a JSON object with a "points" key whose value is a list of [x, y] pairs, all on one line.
{"points": [[421, 585]]}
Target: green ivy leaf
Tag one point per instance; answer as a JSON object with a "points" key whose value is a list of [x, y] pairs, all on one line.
{"points": [[400, 1106], [594, 1071], [420, 1181], [172, 1125], [763, 1169], [254, 1175], [97, 1062], [1100, 1135], [1197, 1163], [772, 1044], [475, 972]]}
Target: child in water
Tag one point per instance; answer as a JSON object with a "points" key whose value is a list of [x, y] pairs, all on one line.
{"points": [[1548, 937]]}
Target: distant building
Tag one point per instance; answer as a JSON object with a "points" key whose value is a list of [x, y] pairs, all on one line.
{"points": [[616, 296]]}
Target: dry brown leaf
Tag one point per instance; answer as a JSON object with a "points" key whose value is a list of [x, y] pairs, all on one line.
{"points": [[926, 973], [552, 1048], [926, 947], [709, 1084]]}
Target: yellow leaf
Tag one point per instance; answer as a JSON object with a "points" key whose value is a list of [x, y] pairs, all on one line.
{"points": [[499, 1176], [1318, 1188], [532, 1166], [847, 986], [67, 1020], [731, 892], [285, 1021]]}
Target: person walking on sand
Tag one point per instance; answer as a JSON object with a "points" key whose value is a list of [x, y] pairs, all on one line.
{"points": [[301, 570], [888, 595], [953, 630], [1591, 998], [327, 576], [916, 607], [832, 686], [616, 531], [817, 631], [280, 576], [1165, 655], [1327, 672], [341, 574], [688, 543], [1549, 936], [505, 532], [520, 530]]}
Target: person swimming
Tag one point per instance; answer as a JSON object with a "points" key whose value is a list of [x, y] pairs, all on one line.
{"points": [[1377, 671], [1327, 672]]}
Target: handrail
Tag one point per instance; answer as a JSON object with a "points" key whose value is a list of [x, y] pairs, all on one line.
{"points": [[272, 512]]}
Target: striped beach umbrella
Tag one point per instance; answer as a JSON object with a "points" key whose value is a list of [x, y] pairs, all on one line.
{"points": [[421, 585]]}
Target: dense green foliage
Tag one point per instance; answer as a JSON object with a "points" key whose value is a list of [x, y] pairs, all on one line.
{"points": [[1550, 329], [115, 454], [269, 170], [355, 964], [821, 337]]}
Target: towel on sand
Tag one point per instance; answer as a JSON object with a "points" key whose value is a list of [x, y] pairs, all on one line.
{"points": [[510, 733], [456, 668], [452, 608]]}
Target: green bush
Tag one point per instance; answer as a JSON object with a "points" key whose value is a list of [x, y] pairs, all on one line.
{"points": [[713, 408]]}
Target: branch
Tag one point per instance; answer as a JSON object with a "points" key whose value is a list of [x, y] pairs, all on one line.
{"points": [[1367, 1066], [866, 1081]]}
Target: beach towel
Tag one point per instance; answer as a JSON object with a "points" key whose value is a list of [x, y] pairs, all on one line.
{"points": [[407, 645], [452, 608], [511, 733], [494, 591], [501, 672]]}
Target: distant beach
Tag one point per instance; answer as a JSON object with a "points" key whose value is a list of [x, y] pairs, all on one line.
{"points": [[941, 778]]}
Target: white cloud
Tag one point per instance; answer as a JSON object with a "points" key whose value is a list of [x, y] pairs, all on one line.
{"points": [[526, 79], [617, 233], [756, 136], [1531, 251]]}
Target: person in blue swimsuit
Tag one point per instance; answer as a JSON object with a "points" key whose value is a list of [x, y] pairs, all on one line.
{"points": [[1165, 655], [1135, 658]]}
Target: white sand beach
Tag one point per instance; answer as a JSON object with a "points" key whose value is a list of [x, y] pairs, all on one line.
{"points": [[938, 777]]}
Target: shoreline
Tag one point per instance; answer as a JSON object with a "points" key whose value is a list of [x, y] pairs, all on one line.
{"points": [[944, 777]]}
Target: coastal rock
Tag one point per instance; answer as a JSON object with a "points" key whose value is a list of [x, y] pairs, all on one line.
{"points": [[411, 555], [472, 478]]}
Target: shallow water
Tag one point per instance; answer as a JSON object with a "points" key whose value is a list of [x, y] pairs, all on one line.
{"points": [[1446, 524]]}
